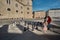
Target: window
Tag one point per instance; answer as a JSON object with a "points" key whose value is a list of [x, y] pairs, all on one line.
{"points": [[28, 8], [8, 9], [0, 14], [8, 1], [21, 11], [16, 5], [21, 7], [27, 12], [28, 2], [17, 11]]}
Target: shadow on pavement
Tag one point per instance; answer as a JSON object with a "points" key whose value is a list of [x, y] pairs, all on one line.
{"points": [[55, 28], [4, 28], [20, 27], [28, 35], [57, 22]]}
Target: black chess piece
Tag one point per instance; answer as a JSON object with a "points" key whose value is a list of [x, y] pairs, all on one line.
{"points": [[25, 28]]}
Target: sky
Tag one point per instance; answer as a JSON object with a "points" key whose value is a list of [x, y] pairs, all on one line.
{"points": [[45, 4]]}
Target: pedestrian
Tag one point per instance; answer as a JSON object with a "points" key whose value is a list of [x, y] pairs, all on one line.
{"points": [[49, 21], [46, 23], [45, 26]]}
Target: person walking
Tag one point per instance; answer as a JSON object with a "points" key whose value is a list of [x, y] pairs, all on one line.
{"points": [[46, 23], [49, 21], [45, 26]]}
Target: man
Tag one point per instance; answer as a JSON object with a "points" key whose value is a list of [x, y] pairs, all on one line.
{"points": [[48, 21]]}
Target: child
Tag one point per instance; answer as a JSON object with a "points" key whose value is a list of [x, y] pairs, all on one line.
{"points": [[45, 26]]}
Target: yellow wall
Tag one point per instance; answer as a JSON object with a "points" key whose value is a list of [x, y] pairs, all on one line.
{"points": [[13, 14], [39, 14]]}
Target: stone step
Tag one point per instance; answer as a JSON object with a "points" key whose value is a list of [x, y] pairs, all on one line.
{"points": [[56, 30]]}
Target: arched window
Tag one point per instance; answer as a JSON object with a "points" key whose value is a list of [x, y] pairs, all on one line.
{"points": [[27, 8], [8, 9], [17, 11], [8, 1], [16, 5], [27, 12]]}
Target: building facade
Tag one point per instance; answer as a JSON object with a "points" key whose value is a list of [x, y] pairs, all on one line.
{"points": [[15, 9], [55, 16], [54, 13], [39, 14]]}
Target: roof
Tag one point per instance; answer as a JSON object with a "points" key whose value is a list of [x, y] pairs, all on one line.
{"points": [[55, 9], [40, 11]]}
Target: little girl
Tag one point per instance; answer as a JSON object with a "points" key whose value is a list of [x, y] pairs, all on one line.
{"points": [[45, 24], [45, 27]]}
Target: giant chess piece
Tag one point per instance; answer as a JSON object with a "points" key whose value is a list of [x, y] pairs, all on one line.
{"points": [[14, 24]]}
